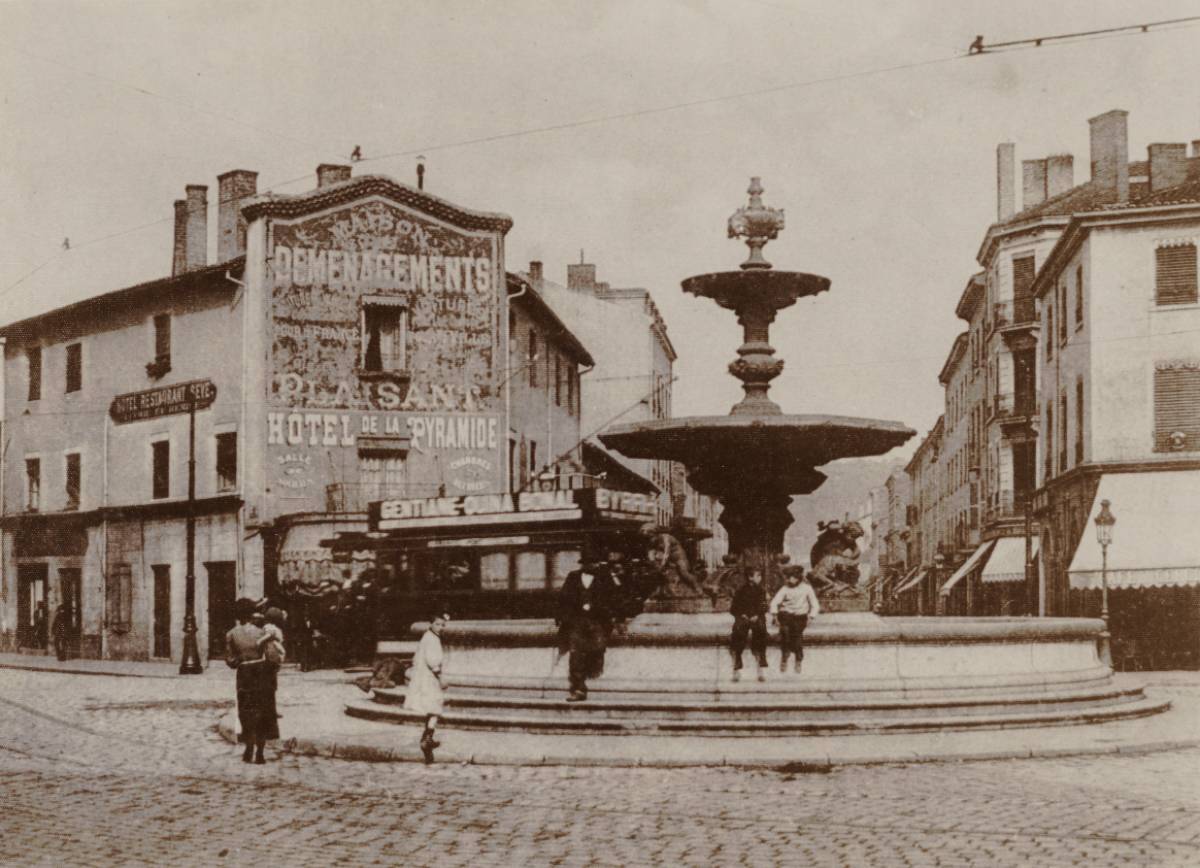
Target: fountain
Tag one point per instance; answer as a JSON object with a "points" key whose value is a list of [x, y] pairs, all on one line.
{"points": [[668, 672]]}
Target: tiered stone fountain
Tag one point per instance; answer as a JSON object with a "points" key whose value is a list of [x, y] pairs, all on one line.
{"points": [[669, 673]]}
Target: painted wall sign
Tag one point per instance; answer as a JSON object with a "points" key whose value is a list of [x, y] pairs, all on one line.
{"points": [[163, 401], [384, 327]]}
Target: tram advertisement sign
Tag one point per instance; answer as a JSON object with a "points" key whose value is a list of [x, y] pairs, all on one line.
{"points": [[163, 401], [524, 505]]}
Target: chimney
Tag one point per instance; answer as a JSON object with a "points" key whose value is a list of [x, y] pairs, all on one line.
{"points": [[1033, 187], [535, 272], [196, 243], [179, 254], [328, 173], [1006, 181], [1168, 166], [581, 276], [1060, 174], [1110, 151], [232, 188]]}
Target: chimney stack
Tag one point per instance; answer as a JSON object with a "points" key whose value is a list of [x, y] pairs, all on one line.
{"points": [[1060, 174], [196, 243], [329, 173], [1168, 166], [1006, 182], [232, 188], [1033, 188], [535, 272], [179, 254], [581, 276], [1110, 151]]}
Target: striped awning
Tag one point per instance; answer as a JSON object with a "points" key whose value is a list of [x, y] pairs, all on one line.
{"points": [[912, 579], [969, 564], [1155, 542], [1007, 563]]}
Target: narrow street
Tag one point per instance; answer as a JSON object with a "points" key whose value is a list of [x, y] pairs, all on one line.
{"points": [[107, 770]]}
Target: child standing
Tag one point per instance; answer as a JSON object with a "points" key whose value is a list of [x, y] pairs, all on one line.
{"points": [[792, 606], [749, 610], [425, 694]]}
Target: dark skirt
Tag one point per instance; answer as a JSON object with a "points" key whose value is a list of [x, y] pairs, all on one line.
{"points": [[256, 702]]}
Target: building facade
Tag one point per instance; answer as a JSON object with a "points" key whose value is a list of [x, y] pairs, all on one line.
{"points": [[356, 342]]}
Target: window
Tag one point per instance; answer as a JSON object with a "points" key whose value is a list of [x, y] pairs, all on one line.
{"points": [[558, 383], [1062, 432], [74, 367], [227, 461], [531, 571], [162, 338], [1078, 297], [1023, 272], [1177, 407], [571, 375], [564, 561], [1062, 313], [1049, 328], [33, 484], [120, 597], [533, 357], [493, 571], [1175, 274], [34, 357], [1048, 448], [383, 328], [74, 477], [161, 470], [1078, 421]]}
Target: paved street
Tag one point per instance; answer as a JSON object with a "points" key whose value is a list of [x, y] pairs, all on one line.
{"points": [[100, 770]]}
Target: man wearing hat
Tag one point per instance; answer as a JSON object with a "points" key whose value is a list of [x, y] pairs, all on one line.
{"points": [[588, 602]]}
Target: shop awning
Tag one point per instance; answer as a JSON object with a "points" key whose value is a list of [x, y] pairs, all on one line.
{"points": [[1155, 541], [1007, 563], [911, 580], [969, 564]]}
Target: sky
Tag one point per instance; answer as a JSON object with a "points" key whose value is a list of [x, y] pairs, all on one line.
{"points": [[625, 130]]}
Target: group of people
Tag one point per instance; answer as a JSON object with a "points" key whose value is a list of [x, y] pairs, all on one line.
{"points": [[255, 649]]}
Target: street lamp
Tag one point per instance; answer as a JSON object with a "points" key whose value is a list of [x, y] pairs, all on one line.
{"points": [[1104, 534], [939, 562]]}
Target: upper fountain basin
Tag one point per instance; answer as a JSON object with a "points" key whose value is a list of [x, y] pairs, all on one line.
{"points": [[776, 289]]}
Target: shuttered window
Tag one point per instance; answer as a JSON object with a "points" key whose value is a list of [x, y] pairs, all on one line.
{"points": [[1175, 276], [1177, 408], [1023, 272]]}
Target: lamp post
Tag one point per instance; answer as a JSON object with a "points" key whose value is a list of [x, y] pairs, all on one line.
{"points": [[1104, 533], [189, 661], [939, 561]]}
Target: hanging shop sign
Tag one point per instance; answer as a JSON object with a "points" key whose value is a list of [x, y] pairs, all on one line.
{"points": [[163, 401]]}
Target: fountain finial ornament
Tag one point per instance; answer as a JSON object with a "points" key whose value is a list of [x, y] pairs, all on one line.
{"points": [[756, 223]]}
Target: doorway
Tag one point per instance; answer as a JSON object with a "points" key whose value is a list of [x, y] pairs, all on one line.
{"points": [[222, 591], [33, 616], [70, 588], [162, 610]]}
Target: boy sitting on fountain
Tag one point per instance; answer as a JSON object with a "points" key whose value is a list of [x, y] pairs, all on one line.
{"points": [[749, 610]]}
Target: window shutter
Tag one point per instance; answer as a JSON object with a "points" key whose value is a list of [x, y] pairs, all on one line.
{"points": [[1177, 407], [1175, 278]]}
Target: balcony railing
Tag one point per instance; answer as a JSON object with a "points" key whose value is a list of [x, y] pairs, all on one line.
{"points": [[1002, 505], [1004, 405], [1014, 312]]}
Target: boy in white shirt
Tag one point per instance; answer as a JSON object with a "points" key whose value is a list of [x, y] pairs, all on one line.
{"points": [[792, 606]]}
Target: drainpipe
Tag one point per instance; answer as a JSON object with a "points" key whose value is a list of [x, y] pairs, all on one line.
{"points": [[508, 374]]}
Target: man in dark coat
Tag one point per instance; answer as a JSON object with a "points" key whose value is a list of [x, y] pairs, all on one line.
{"points": [[749, 610], [588, 602]]}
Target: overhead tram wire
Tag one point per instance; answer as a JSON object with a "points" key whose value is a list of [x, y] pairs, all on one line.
{"points": [[976, 48]]}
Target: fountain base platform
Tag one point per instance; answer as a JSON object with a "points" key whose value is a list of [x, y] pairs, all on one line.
{"points": [[672, 674]]}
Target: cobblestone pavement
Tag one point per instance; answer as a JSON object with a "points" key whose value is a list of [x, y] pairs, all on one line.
{"points": [[105, 771]]}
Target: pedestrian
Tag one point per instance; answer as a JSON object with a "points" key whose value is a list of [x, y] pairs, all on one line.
{"points": [[791, 607], [255, 682], [588, 602], [273, 634], [426, 688], [59, 628], [40, 624], [749, 610]]}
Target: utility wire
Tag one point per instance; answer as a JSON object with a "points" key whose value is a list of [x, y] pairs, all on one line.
{"points": [[977, 47]]}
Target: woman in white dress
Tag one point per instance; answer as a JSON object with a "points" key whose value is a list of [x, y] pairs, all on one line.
{"points": [[425, 694]]}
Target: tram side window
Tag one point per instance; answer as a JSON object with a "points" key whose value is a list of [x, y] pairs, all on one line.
{"points": [[493, 571], [447, 571], [563, 562], [531, 571]]}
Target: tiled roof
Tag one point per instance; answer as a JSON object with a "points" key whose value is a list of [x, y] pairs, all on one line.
{"points": [[1180, 194]]}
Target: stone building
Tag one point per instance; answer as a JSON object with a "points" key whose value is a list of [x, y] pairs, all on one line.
{"points": [[347, 344]]}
